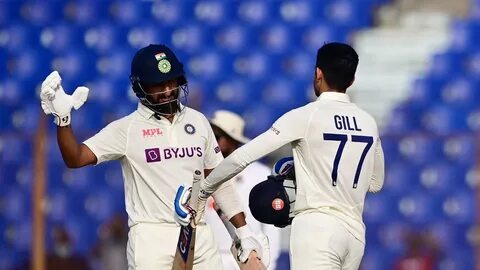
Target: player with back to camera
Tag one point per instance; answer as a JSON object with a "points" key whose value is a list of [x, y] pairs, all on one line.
{"points": [[159, 146], [338, 159]]}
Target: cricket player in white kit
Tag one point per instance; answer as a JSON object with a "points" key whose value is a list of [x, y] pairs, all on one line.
{"points": [[338, 159], [228, 128], [159, 146]]}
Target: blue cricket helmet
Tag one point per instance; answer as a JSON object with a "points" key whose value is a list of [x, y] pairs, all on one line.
{"points": [[156, 64], [272, 200]]}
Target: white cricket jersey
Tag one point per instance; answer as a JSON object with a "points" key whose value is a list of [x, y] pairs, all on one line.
{"points": [[156, 157], [337, 154], [244, 182]]}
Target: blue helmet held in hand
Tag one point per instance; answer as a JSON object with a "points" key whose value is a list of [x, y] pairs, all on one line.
{"points": [[272, 201]]}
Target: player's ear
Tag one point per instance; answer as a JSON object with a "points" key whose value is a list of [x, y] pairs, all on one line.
{"points": [[353, 80], [318, 75]]}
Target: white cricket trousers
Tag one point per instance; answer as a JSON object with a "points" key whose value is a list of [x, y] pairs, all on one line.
{"points": [[320, 241], [152, 246]]}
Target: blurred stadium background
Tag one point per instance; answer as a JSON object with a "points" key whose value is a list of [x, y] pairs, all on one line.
{"points": [[418, 75]]}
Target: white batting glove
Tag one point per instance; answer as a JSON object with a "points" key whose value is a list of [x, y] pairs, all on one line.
{"points": [[55, 101], [249, 242], [183, 212], [200, 209]]}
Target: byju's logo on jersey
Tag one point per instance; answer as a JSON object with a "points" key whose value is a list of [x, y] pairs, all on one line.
{"points": [[153, 155], [157, 154]]}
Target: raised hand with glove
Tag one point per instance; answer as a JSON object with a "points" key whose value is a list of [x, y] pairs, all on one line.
{"points": [[55, 101]]}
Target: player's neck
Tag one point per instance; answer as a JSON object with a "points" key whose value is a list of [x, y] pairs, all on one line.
{"points": [[170, 117]]}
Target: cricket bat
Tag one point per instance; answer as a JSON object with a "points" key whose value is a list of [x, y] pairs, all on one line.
{"points": [[186, 240]]}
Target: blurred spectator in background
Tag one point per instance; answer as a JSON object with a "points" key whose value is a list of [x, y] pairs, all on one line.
{"points": [[422, 253], [62, 255], [109, 253]]}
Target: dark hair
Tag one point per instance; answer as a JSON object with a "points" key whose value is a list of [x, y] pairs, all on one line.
{"points": [[338, 62]]}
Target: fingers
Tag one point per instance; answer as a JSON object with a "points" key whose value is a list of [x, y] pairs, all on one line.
{"points": [[249, 244], [45, 107], [200, 210], [50, 86], [79, 96], [183, 213], [253, 263], [283, 166], [53, 80]]}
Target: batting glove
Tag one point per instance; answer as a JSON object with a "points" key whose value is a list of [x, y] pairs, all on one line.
{"points": [[200, 209], [55, 101], [183, 212], [249, 242], [283, 166]]}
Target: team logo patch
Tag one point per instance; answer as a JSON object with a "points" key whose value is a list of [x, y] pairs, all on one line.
{"points": [[278, 204], [164, 66], [189, 128]]}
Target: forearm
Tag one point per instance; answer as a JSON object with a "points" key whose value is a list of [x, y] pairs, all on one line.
{"points": [[241, 158], [238, 220], [228, 201], [69, 147]]}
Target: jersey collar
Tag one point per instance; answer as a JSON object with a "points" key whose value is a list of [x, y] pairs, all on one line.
{"points": [[147, 113], [144, 111], [335, 96]]}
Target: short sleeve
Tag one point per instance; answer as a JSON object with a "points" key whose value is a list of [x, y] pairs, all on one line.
{"points": [[110, 142]]}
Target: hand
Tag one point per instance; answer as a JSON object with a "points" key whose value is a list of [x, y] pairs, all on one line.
{"points": [[283, 166], [200, 209], [183, 212], [249, 242], [55, 101], [253, 263], [201, 202]]}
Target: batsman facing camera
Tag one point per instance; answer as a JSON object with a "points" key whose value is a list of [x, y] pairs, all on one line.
{"points": [[153, 163]]}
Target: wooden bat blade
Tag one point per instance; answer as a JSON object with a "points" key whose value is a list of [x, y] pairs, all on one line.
{"points": [[185, 249]]}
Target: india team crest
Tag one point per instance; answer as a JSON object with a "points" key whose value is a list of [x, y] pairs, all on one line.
{"points": [[163, 64], [189, 128]]}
